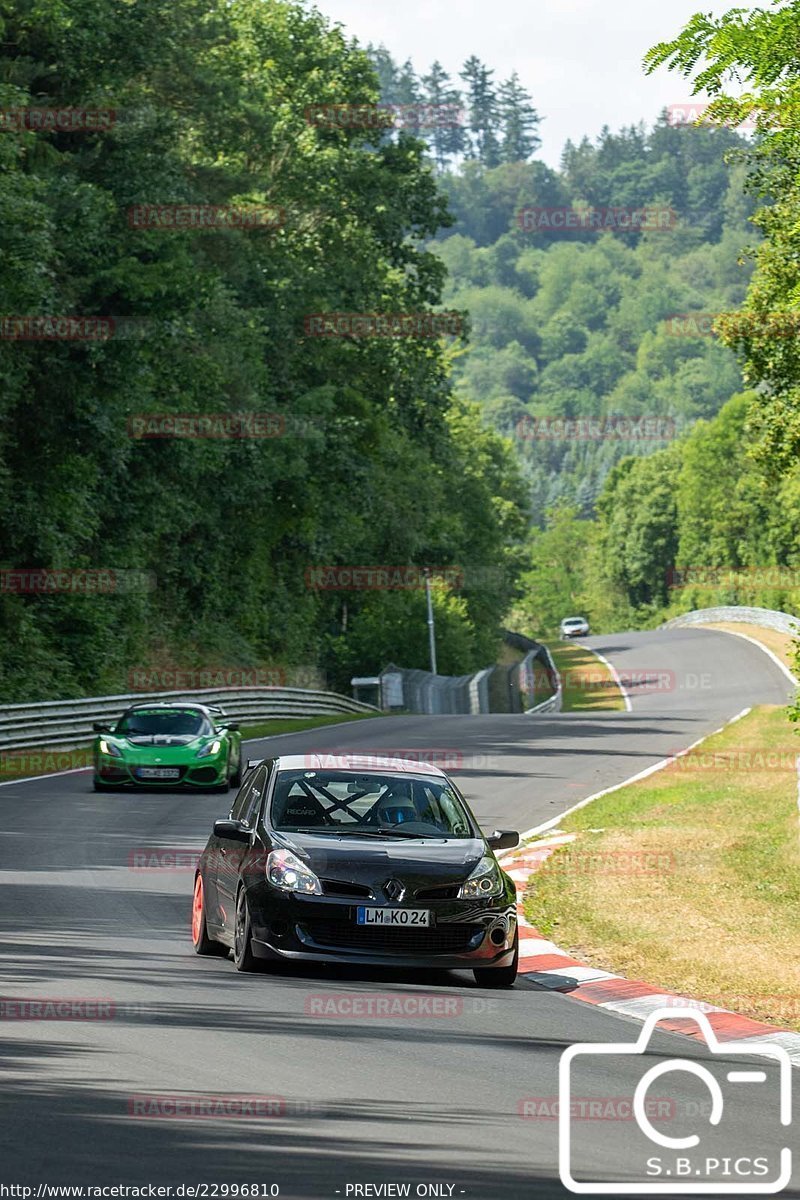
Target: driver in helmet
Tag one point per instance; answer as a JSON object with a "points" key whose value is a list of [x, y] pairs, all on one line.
{"points": [[397, 807]]}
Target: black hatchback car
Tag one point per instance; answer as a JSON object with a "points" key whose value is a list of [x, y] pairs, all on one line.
{"points": [[333, 860]]}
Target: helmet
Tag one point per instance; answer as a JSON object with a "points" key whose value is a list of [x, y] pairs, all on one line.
{"points": [[396, 808]]}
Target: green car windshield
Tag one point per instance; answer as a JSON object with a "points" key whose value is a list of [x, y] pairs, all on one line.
{"points": [[164, 721]]}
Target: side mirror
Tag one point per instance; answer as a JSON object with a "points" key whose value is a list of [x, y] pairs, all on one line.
{"points": [[232, 831], [503, 839], [99, 727], [232, 726]]}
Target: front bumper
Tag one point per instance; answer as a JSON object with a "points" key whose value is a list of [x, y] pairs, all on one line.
{"points": [[463, 934], [198, 773]]}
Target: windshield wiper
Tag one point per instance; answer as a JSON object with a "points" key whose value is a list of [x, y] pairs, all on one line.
{"points": [[390, 833]]}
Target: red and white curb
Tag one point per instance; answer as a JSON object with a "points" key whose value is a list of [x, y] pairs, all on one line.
{"points": [[542, 962]]}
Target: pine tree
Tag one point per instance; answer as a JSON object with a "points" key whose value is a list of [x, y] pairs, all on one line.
{"points": [[447, 135], [483, 112], [520, 121]]}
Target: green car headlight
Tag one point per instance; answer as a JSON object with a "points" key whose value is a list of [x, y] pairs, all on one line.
{"points": [[211, 748], [109, 749]]}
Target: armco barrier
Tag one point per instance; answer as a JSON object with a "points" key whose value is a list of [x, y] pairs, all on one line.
{"points": [[68, 723], [554, 702], [502, 688], [781, 621]]}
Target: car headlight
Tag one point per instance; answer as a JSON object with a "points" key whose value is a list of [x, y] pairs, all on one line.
{"points": [[484, 882], [287, 872], [109, 748], [210, 748]]}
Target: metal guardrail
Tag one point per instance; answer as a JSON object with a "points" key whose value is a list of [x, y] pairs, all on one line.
{"points": [[781, 621], [553, 703], [68, 723], [501, 688]]}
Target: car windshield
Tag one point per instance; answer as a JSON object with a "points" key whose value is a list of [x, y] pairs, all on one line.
{"points": [[368, 805], [172, 722]]}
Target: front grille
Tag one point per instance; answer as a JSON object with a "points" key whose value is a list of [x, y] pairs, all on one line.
{"points": [[445, 891], [335, 887], [442, 939]]}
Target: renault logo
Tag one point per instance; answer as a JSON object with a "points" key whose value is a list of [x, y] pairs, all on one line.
{"points": [[393, 889]]}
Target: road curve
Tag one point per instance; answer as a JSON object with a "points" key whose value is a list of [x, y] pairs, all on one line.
{"points": [[416, 1099]]}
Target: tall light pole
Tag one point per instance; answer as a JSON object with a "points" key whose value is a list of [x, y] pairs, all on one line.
{"points": [[431, 626]]}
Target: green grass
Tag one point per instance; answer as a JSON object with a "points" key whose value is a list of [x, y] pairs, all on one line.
{"points": [[589, 686], [690, 879]]}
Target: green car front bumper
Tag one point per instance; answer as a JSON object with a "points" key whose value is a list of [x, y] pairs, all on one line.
{"points": [[167, 770]]}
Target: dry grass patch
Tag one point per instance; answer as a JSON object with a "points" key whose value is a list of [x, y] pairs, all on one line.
{"points": [[690, 880]]}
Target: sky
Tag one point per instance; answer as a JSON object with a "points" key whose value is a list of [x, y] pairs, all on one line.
{"points": [[579, 59]]}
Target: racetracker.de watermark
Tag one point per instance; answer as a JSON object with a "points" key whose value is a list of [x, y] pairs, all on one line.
{"points": [[381, 578], [383, 325], [736, 324], [43, 762], [446, 759], [596, 429], [734, 577], [172, 678], [56, 1008], [738, 758], [382, 117], [600, 862], [65, 328], [41, 581], [209, 1107], [200, 426], [181, 217], [393, 1006], [594, 1108], [693, 112], [57, 120], [565, 219]]}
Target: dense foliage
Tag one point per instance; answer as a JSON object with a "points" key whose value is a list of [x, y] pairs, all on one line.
{"points": [[713, 518], [378, 465]]}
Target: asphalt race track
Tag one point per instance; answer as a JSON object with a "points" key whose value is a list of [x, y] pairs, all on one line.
{"points": [[416, 1100]]}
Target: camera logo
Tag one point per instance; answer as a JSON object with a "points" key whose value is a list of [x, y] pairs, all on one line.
{"points": [[684, 1166]]}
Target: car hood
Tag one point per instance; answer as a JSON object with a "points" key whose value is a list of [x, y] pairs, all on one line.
{"points": [[162, 739], [371, 862], [161, 748]]}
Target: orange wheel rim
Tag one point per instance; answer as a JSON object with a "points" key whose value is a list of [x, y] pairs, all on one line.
{"points": [[197, 910]]}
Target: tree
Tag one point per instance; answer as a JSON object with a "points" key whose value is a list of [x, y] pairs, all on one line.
{"points": [[482, 104], [448, 136], [519, 120], [759, 49]]}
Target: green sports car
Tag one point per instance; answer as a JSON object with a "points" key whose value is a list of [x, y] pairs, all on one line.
{"points": [[169, 744]]}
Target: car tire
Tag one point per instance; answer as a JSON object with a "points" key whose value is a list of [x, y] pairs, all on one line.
{"points": [[236, 777], [103, 787], [243, 956], [203, 944], [499, 977]]}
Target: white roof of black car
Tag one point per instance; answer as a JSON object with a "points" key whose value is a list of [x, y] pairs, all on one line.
{"points": [[380, 764]]}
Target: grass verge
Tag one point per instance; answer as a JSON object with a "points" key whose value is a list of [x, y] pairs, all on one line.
{"points": [[690, 879], [589, 686]]}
